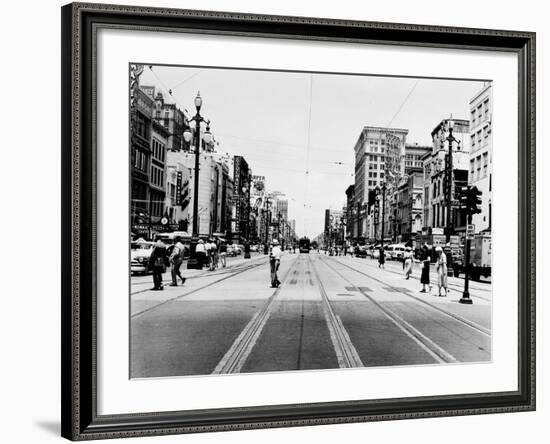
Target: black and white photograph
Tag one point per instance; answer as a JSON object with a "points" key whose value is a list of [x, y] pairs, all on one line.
{"points": [[295, 221]]}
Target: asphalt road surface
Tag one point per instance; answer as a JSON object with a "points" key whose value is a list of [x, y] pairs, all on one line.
{"points": [[329, 312]]}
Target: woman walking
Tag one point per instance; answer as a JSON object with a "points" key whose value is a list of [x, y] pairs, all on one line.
{"points": [[441, 267], [425, 275], [381, 258], [223, 253], [408, 262]]}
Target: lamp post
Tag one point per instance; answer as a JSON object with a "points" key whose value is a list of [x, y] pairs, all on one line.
{"points": [[187, 135]]}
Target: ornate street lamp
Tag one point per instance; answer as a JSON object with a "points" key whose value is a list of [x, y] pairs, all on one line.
{"points": [[196, 120]]}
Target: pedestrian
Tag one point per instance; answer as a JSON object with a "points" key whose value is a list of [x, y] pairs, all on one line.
{"points": [[274, 262], [425, 274], [223, 253], [408, 261], [381, 257], [200, 253], [207, 247], [157, 262], [176, 259], [213, 253], [441, 267]]}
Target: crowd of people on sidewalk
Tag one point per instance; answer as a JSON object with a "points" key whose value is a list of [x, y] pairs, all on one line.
{"points": [[210, 254]]}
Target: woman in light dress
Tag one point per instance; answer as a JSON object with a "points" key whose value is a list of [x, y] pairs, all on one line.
{"points": [[408, 262], [441, 267]]}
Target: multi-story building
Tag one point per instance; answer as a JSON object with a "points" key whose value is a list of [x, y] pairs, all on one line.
{"points": [[177, 194], [414, 155], [334, 228], [157, 173], [171, 117], [481, 154], [435, 173], [409, 207], [140, 157], [241, 194], [210, 191], [351, 231], [378, 152]]}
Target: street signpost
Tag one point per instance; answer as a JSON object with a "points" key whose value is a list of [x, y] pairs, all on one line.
{"points": [[470, 230]]}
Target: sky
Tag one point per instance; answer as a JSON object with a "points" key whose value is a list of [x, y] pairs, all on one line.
{"points": [[299, 129]]}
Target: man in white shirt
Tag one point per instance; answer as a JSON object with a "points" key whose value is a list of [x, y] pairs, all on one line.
{"points": [[274, 262], [200, 252]]}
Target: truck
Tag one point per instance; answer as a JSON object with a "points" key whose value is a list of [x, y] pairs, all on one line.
{"points": [[480, 257]]}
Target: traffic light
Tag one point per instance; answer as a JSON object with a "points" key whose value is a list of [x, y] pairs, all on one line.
{"points": [[470, 199]]}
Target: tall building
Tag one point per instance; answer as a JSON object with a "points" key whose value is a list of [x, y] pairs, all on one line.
{"points": [[481, 154], [378, 151], [241, 195], [435, 173], [140, 157], [157, 173]]}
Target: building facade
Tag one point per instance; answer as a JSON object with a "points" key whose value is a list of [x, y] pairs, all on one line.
{"points": [[140, 158], [481, 154], [157, 173], [379, 152], [242, 177], [435, 174]]}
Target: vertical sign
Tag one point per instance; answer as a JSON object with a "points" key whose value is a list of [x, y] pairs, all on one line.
{"points": [[178, 188]]}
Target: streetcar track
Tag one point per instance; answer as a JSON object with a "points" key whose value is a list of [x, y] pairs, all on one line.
{"points": [[148, 309], [346, 354], [456, 317], [235, 358], [440, 354]]}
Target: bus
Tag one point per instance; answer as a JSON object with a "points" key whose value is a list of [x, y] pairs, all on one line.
{"points": [[304, 245]]}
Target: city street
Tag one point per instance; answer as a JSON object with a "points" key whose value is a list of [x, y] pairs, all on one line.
{"points": [[329, 312]]}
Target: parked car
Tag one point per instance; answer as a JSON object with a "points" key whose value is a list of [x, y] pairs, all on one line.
{"points": [[361, 251], [254, 248], [396, 252], [140, 252]]}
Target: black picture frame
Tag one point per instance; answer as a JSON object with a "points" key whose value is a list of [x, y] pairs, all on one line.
{"points": [[80, 22]]}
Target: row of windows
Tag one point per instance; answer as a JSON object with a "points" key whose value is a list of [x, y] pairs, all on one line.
{"points": [[480, 113], [157, 176], [159, 150], [479, 167], [140, 161], [411, 163], [481, 137], [375, 142], [375, 174]]}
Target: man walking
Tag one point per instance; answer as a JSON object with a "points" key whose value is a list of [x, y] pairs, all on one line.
{"points": [[274, 262], [176, 258], [157, 263]]}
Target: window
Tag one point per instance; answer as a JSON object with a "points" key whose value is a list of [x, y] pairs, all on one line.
{"points": [[479, 137], [472, 169], [486, 108], [478, 167], [473, 141], [473, 117], [485, 163], [485, 134]]}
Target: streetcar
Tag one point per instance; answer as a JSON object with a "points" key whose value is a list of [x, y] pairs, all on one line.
{"points": [[304, 245]]}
